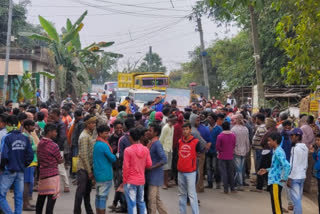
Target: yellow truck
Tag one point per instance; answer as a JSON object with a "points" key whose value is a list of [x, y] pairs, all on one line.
{"points": [[153, 81]]}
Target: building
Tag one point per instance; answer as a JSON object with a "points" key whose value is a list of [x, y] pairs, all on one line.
{"points": [[37, 60]]}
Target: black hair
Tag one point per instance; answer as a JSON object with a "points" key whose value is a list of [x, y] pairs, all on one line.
{"points": [[32, 110], [13, 120], [87, 103], [129, 123], [135, 134], [283, 116], [286, 123], [302, 115], [186, 115], [117, 122], [221, 116], [43, 105], [103, 128], [138, 116], [28, 123], [130, 116], [22, 116], [108, 108], [121, 108], [8, 102], [15, 111], [244, 114], [225, 126], [185, 125], [143, 131], [78, 113], [310, 119], [230, 109], [49, 127], [318, 135], [260, 116], [268, 112], [3, 117], [166, 111], [149, 103], [299, 136], [156, 128], [276, 137], [214, 116], [173, 102], [40, 116], [225, 109], [55, 111], [86, 118], [204, 113], [66, 108], [112, 105]]}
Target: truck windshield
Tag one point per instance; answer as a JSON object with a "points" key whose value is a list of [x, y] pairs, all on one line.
{"points": [[144, 97], [122, 93], [162, 82], [148, 82]]}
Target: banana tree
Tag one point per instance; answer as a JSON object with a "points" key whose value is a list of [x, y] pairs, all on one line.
{"points": [[71, 74]]}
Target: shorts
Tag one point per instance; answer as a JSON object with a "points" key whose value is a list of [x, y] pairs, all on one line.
{"points": [[102, 192], [168, 165]]}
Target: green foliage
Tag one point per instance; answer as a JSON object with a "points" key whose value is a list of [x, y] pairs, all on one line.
{"points": [[152, 63], [27, 90], [298, 34]]}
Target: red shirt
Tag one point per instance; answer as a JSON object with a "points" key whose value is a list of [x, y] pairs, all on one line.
{"points": [[48, 157], [187, 161]]}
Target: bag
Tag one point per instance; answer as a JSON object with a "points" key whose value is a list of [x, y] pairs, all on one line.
{"points": [[75, 164]]}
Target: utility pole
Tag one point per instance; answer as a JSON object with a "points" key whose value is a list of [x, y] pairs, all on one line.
{"points": [[5, 82], [203, 57], [150, 59]]}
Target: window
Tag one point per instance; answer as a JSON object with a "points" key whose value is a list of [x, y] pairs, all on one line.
{"points": [[137, 82], [162, 82], [148, 82]]}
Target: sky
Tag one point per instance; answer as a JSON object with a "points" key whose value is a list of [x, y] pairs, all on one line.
{"points": [[134, 25]]}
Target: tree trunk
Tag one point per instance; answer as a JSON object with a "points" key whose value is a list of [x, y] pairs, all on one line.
{"points": [[257, 55]]}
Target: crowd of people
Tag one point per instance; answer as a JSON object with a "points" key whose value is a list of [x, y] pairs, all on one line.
{"points": [[97, 144]]}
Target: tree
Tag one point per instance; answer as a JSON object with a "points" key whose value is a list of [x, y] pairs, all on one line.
{"points": [[298, 35], [152, 63]]}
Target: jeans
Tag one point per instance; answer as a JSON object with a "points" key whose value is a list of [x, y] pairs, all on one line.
{"points": [[296, 191], [239, 166], [227, 172], [84, 186], [135, 198], [187, 188], [102, 192], [212, 168], [7, 179], [257, 158]]}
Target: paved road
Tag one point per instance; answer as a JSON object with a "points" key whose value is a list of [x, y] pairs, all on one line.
{"points": [[212, 201]]}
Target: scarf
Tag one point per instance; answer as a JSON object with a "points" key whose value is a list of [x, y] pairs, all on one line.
{"points": [[106, 142], [121, 115]]}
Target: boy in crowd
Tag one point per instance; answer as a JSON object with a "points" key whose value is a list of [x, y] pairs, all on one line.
{"points": [[155, 173], [299, 165], [102, 167], [278, 172], [187, 167]]}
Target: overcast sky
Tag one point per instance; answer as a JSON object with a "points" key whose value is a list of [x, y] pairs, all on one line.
{"points": [[134, 25]]}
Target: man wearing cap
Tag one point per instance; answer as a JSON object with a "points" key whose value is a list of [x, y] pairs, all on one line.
{"points": [[299, 165], [85, 165]]}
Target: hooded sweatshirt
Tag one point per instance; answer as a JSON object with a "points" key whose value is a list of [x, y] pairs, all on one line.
{"points": [[299, 161], [195, 133], [136, 160]]}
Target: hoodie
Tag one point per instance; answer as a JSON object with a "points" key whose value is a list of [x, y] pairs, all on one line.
{"points": [[195, 133], [299, 161], [136, 160]]}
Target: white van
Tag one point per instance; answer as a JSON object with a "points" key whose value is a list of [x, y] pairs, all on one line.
{"points": [[141, 97]]}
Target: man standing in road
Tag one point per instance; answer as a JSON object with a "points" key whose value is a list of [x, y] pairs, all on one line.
{"points": [[85, 164]]}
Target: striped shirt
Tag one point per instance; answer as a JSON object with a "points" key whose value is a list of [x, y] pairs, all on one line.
{"points": [[257, 138], [86, 142]]}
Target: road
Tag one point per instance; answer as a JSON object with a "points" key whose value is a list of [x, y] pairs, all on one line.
{"points": [[212, 201]]}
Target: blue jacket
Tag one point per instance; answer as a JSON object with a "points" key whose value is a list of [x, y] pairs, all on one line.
{"points": [[155, 176], [213, 138], [16, 152], [280, 167], [102, 162], [316, 157], [286, 143], [158, 107]]}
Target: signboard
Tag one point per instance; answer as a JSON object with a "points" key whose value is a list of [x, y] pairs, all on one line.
{"points": [[314, 104], [182, 96]]}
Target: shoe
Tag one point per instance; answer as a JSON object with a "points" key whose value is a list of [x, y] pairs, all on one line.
{"points": [[290, 207], [112, 207], [209, 186], [66, 189], [245, 184], [121, 210], [29, 208], [164, 187]]}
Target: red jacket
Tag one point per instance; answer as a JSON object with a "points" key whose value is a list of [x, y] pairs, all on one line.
{"points": [[136, 160], [187, 161]]}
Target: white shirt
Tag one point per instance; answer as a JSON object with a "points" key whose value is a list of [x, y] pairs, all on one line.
{"points": [[299, 161]]}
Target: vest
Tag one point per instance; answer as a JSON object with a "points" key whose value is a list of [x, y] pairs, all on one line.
{"points": [[187, 161]]}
